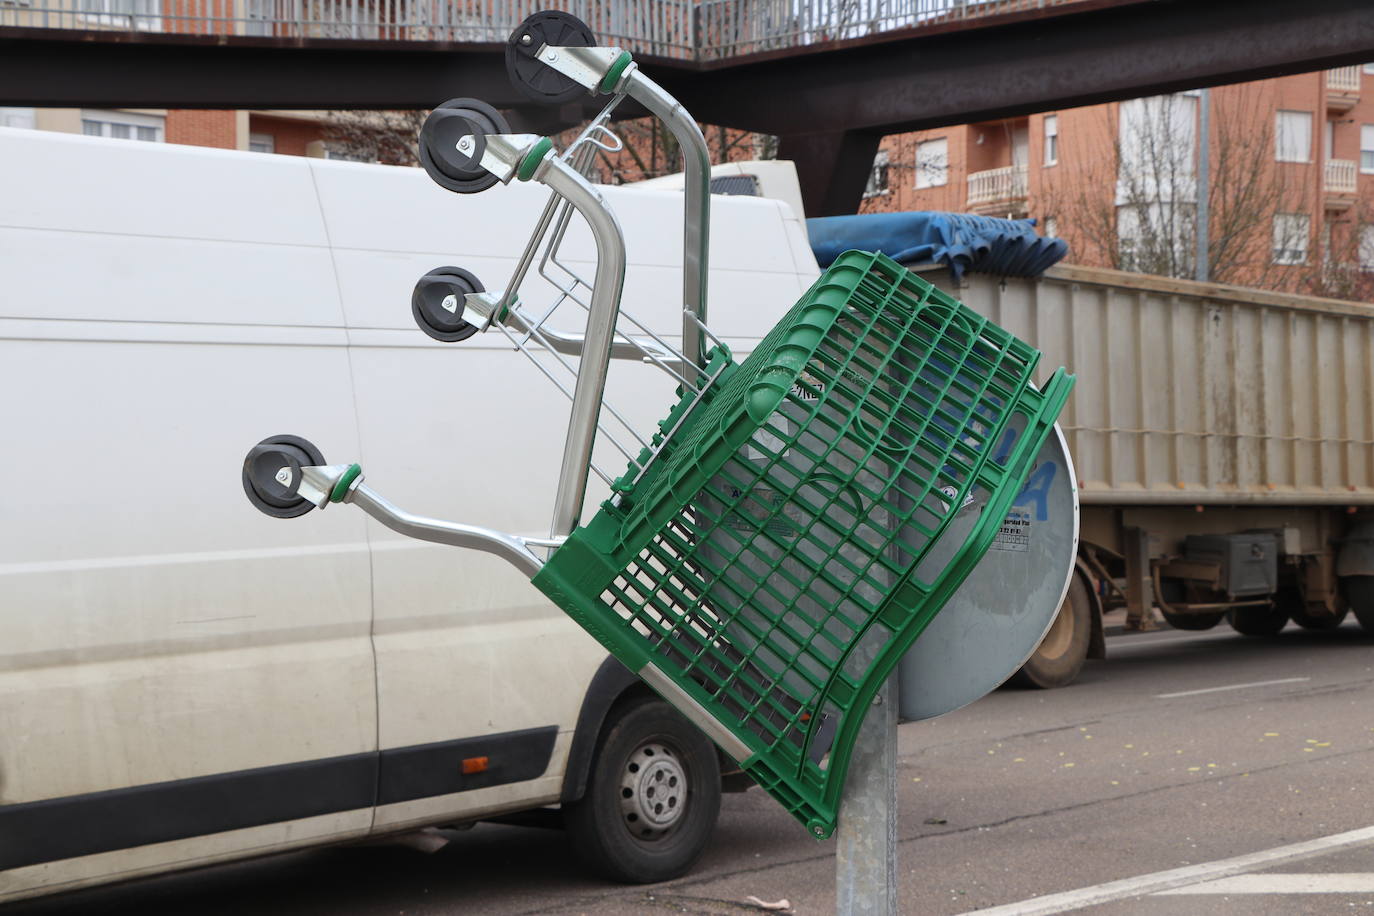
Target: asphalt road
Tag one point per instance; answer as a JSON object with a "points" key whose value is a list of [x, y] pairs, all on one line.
{"points": [[1180, 751]]}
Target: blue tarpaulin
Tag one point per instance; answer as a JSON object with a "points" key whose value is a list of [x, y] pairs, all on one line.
{"points": [[1004, 247]]}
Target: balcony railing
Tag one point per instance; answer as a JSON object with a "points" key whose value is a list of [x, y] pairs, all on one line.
{"points": [[1338, 176], [1343, 79], [997, 186], [690, 29]]}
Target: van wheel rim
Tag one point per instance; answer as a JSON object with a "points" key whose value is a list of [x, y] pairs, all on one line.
{"points": [[653, 791]]}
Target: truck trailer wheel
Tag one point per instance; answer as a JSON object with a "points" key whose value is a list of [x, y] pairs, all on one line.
{"points": [[1060, 655], [1310, 621], [1172, 592], [1359, 592], [1258, 621], [652, 799], [1203, 621]]}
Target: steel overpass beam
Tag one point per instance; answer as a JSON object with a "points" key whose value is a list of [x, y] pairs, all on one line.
{"points": [[832, 168], [1055, 57]]}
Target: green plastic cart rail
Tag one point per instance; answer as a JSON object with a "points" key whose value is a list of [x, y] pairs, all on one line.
{"points": [[766, 570]]}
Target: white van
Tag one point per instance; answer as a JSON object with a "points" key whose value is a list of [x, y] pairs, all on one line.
{"points": [[184, 680]]}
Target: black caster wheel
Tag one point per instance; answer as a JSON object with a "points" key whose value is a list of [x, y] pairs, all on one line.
{"points": [[445, 126], [533, 77], [272, 472], [437, 303]]}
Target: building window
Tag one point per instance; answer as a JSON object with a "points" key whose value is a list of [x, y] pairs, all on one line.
{"points": [[136, 14], [932, 163], [1290, 237], [1051, 228], [16, 117], [261, 143], [349, 153], [1369, 68], [1293, 136], [1367, 248], [1051, 139], [877, 178], [123, 125], [1367, 148]]}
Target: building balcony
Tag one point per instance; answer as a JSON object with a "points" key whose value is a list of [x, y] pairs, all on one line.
{"points": [[1342, 88], [1338, 184], [998, 192]]}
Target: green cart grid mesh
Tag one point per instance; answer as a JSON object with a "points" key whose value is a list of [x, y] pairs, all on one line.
{"points": [[808, 518]]}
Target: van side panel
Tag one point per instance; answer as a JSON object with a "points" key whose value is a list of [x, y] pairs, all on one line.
{"points": [[163, 310]]}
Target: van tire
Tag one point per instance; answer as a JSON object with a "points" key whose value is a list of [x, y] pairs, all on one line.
{"points": [[1059, 657], [652, 799]]}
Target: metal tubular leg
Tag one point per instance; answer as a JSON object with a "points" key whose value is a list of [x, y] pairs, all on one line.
{"points": [[596, 352], [696, 223], [454, 534]]}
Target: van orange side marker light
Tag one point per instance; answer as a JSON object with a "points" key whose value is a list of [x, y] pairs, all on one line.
{"points": [[474, 765]]}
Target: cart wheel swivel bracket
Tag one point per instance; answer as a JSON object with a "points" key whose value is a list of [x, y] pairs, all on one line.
{"points": [[439, 304], [523, 63], [455, 121], [285, 477]]}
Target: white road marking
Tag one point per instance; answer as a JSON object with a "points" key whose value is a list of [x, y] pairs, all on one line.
{"points": [[1140, 642], [1193, 693], [1179, 877], [1349, 883]]}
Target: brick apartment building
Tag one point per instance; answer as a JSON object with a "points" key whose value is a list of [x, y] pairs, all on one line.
{"points": [[1291, 172], [297, 133], [1291, 162]]}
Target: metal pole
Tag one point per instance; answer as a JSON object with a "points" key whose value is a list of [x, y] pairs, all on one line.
{"points": [[866, 838], [1204, 163]]}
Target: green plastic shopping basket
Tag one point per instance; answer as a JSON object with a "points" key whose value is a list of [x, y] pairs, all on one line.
{"points": [[808, 517]]}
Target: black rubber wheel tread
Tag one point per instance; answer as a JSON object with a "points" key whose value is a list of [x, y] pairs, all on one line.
{"points": [[260, 492], [1045, 671], [1258, 621], [535, 79], [1359, 592], [458, 280], [1318, 622], [1193, 621], [1174, 593], [448, 169], [596, 826]]}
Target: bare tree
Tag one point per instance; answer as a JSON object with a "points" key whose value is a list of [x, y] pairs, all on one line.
{"points": [[1346, 256], [388, 137], [649, 149], [1131, 202]]}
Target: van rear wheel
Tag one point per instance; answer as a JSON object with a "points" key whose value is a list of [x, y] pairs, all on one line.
{"points": [[652, 799]]}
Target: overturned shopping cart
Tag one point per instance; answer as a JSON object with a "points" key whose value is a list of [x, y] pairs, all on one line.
{"points": [[796, 519]]}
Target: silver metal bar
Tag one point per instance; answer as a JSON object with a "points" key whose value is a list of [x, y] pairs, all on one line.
{"points": [[689, 707], [696, 217], [574, 344], [600, 335], [507, 546]]}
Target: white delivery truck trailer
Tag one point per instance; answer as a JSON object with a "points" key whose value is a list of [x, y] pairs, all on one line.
{"points": [[1224, 443], [184, 680]]}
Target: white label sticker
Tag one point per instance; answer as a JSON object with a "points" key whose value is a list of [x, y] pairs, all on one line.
{"points": [[1014, 534]]}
